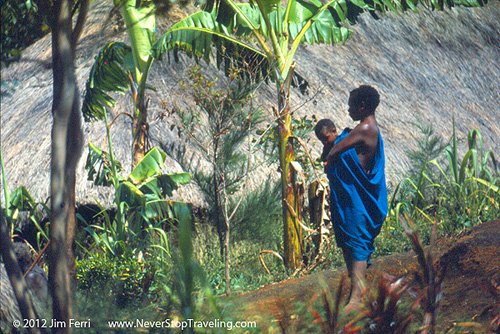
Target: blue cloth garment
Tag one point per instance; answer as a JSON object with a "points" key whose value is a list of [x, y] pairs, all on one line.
{"points": [[358, 200]]}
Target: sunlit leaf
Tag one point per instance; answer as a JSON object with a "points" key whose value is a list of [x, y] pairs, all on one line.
{"points": [[150, 165]]}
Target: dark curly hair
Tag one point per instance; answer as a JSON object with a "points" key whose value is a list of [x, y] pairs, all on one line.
{"points": [[367, 96]]}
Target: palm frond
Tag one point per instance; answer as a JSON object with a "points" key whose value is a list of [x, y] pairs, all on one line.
{"points": [[197, 34], [110, 73]]}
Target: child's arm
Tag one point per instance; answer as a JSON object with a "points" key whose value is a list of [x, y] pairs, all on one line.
{"points": [[326, 149]]}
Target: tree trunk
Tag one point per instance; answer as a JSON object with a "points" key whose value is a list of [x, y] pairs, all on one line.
{"points": [[292, 207], [318, 215], [66, 150], [140, 130], [227, 259]]}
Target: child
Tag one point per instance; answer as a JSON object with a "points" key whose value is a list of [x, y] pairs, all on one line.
{"points": [[326, 132], [354, 164]]}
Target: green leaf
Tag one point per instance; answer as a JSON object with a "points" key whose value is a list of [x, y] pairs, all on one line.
{"points": [[155, 209], [99, 166], [171, 182], [110, 73], [21, 200], [196, 34], [128, 193], [182, 212], [363, 5], [150, 165], [268, 5], [324, 27], [164, 185], [302, 11], [140, 20], [490, 185]]}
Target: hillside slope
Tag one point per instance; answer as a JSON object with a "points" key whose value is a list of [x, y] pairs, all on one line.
{"points": [[471, 286], [428, 66]]}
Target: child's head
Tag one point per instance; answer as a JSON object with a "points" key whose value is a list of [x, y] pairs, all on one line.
{"points": [[325, 131], [362, 102]]}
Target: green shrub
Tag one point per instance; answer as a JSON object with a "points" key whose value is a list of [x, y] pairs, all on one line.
{"points": [[22, 24], [456, 191], [125, 279], [249, 273]]}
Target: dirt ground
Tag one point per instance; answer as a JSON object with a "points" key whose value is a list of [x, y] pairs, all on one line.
{"points": [[470, 297]]}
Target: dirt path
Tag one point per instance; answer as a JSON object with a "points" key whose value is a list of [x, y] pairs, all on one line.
{"points": [[471, 286]]}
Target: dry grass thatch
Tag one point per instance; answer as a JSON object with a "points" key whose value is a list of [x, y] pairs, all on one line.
{"points": [[428, 67]]}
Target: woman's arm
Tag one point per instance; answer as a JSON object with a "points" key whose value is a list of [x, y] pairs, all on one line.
{"points": [[354, 138]]}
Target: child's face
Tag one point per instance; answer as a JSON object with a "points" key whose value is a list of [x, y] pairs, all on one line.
{"points": [[328, 137]]}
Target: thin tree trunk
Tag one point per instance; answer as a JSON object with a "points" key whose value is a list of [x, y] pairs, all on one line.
{"points": [[227, 261], [292, 232], [140, 130], [66, 150], [74, 149], [218, 213]]}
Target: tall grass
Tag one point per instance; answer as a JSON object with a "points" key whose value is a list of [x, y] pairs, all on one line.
{"points": [[456, 190]]}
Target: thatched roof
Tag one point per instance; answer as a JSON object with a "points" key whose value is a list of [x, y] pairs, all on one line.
{"points": [[428, 66]]}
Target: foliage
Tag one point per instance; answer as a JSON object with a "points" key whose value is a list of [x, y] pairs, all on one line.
{"points": [[124, 279], [120, 68], [108, 74], [430, 279], [327, 310], [23, 22], [168, 283], [187, 271], [262, 37], [258, 216], [23, 213], [26, 210], [459, 191], [248, 273], [268, 141], [384, 311], [221, 128], [140, 198], [429, 147]]}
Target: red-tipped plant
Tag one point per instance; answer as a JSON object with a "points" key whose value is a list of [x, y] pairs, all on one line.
{"points": [[430, 280]]}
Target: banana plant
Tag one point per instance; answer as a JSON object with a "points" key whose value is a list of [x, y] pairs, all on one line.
{"points": [[120, 67], [141, 198], [261, 37]]}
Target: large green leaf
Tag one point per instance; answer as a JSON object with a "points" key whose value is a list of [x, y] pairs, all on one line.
{"points": [[199, 32], [99, 166], [128, 193], [110, 73], [268, 6], [164, 185], [156, 209], [323, 25], [196, 34], [170, 182], [150, 165], [140, 20]]}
